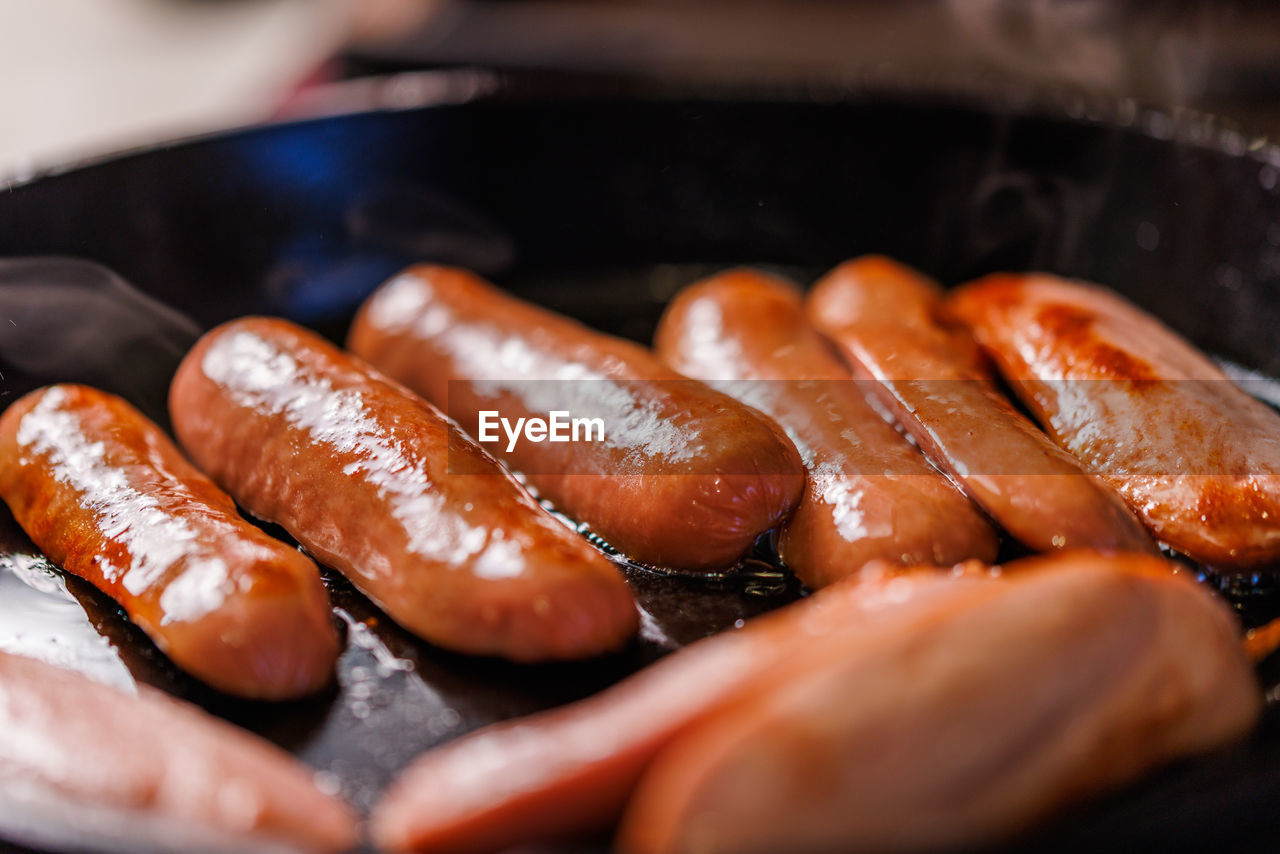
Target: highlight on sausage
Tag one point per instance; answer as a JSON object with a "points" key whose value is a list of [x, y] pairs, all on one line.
{"points": [[686, 477], [108, 497], [1002, 461], [1195, 456], [378, 484], [869, 493]]}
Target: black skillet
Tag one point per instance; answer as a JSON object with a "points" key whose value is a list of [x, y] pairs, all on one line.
{"points": [[600, 201]]}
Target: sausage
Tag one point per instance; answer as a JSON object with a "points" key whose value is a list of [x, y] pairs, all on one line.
{"points": [[1077, 674], [1195, 456], [869, 494], [376, 483], [108, 497], [571, 769], [881, 290], [86, 767], [1029, 485], [686, 477]]}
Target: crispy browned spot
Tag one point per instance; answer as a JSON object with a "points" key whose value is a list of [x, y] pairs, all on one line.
{"points": [[1117, 364], [1066, 322], [1074, 328]]}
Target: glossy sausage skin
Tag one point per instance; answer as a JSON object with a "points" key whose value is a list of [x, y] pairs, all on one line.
{"points": [[687, 478], [86, 767], [1078, 673], [869, 494], [1033, 488], [881, 290], [571, 769], [1196, 457], [379, 485], [106, 496]]}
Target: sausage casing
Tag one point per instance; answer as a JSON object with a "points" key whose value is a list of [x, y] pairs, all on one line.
{"points": [[869, 494], [376, 483], [687, 477], [1195, 456], [105, 494]]}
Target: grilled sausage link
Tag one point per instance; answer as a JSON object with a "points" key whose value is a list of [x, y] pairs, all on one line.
{"points": [[379, 485], [1195, 457], [869, 494], [1078, 673], [106, 496], [1033, 488], [686, 477], [87, 768]]}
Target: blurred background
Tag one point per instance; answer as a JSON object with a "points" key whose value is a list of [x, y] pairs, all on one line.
{"points": [[83, 78]]}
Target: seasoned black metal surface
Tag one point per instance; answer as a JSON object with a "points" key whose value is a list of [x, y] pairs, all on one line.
{"points": [[602, 207]]}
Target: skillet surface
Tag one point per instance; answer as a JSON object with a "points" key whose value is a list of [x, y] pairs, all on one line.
{"points": [[601, 206]]}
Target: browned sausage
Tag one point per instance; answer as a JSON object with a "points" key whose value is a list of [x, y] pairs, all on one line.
{"points": [[376, 483], [1033, 488], [105, 494], [86, 767], [685, 478], [1196, 457], [571, 769], [869, 494], [1079, 673]]}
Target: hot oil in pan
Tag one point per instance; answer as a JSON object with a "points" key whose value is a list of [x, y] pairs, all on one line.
{"points": [[41, 618], [394, 695]]}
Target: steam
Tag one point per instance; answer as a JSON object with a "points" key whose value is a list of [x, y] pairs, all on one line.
{"points": [[66, 320]]}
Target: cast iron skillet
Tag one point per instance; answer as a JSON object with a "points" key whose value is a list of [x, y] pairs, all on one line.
{"points": [[600, 202]]}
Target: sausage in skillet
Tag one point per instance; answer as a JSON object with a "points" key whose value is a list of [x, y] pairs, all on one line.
{"points": [[108, 497], [1195, 456], [376, 483], [85, 767], [686, 477]]}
